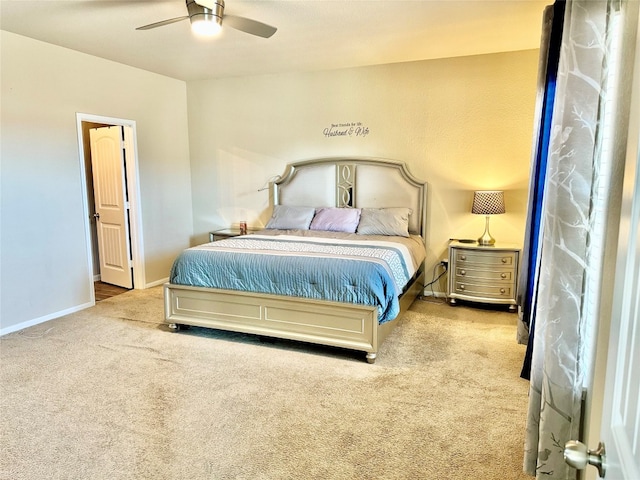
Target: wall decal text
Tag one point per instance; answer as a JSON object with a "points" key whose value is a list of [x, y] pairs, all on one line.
{"points": [[349, 129]]}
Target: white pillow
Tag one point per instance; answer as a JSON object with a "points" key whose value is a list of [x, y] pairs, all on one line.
{"points": [[385, 221], [286, 217]]}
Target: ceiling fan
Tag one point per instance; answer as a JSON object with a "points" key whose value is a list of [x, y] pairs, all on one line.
{"points": [[206, 19]]}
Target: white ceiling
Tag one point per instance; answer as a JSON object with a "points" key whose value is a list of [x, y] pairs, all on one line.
{"points": [[312, 34]]}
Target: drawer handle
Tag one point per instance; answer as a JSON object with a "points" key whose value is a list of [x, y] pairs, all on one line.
{"points": [[503, 275], [463, 272], [504, 260], [461, 287], [502, 290], [463, 257]]}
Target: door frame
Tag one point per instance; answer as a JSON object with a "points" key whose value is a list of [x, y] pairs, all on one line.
{"points": [[133, 194]]}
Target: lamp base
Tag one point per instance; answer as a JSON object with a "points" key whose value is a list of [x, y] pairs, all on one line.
{"points": [[486, 239]]}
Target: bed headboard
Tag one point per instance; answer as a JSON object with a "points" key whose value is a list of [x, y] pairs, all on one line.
{"points": [[353, 182]]}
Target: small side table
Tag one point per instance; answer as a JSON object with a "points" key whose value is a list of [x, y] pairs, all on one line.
{"points": [[485, 274], [228, 233]]}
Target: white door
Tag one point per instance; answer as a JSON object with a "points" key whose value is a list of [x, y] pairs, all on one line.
{"points": [[111, 206], [619, 414], [620, 430]]}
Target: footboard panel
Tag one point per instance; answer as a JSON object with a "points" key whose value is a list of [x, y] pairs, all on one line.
{"points": [[327, 323]]}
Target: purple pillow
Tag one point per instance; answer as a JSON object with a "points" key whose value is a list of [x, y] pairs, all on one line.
{"points": [[335, 219]]}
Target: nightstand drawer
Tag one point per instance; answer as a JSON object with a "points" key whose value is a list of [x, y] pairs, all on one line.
{"points": [[483, 290], [493, 259], [494, 276]]}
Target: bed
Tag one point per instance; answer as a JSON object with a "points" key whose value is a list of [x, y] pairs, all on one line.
{"points": [[359, 221]]}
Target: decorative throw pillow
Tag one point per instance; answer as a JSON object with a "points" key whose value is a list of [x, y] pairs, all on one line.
{"points": [[385, 221], [286, 217], [335, 219]]}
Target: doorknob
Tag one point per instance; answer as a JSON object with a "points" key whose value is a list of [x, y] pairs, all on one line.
{"points": [[578, 456], [96, 216]]}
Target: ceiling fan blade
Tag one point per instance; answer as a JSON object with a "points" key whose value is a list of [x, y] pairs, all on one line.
{"points": [[249, 26], [162, 23]]}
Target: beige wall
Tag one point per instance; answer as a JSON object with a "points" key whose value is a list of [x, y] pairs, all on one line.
{"points": [[44, 260], [460, 124]]}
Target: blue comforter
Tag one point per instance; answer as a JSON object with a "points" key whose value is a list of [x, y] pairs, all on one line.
{"points": [[350, 271]]}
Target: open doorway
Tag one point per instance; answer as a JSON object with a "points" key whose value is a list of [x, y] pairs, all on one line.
{"points": [[130, 193]]}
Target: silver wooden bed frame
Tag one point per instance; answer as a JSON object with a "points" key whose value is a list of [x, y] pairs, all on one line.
{"points": [[341, 182]]}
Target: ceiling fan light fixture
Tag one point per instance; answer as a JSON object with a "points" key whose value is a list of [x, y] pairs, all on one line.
{"points": [[206, 25], [205, 21]]}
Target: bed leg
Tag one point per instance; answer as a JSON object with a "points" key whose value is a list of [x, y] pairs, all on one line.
{"points": [[371, 357]]}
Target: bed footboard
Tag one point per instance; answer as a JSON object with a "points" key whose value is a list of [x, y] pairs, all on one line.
{"points": [[327, 323], [335, 324]]}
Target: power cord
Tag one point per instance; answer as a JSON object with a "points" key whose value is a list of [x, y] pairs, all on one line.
{"points": [[443, 264]]}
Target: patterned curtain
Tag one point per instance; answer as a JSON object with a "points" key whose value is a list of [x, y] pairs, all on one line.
{"points": [[574, 203], [552, 24]]}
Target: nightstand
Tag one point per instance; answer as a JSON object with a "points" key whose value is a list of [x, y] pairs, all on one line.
{"points": [[485, 274], [228, 233]]}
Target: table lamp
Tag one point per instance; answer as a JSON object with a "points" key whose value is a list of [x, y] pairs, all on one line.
{"points": [[487, 202]]}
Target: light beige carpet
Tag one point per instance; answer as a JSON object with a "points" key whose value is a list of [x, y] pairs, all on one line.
{"points": [[110, 393]]}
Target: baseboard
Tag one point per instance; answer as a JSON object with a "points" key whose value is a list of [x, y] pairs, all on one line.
{"points": [[157, 282], [46, 318], [429, 293]]}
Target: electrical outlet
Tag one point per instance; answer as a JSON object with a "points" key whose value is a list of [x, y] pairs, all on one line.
{"points": [[444, 262]]}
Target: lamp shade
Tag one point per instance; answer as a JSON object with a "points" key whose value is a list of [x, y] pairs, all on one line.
{"points": [[488, 202]]}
